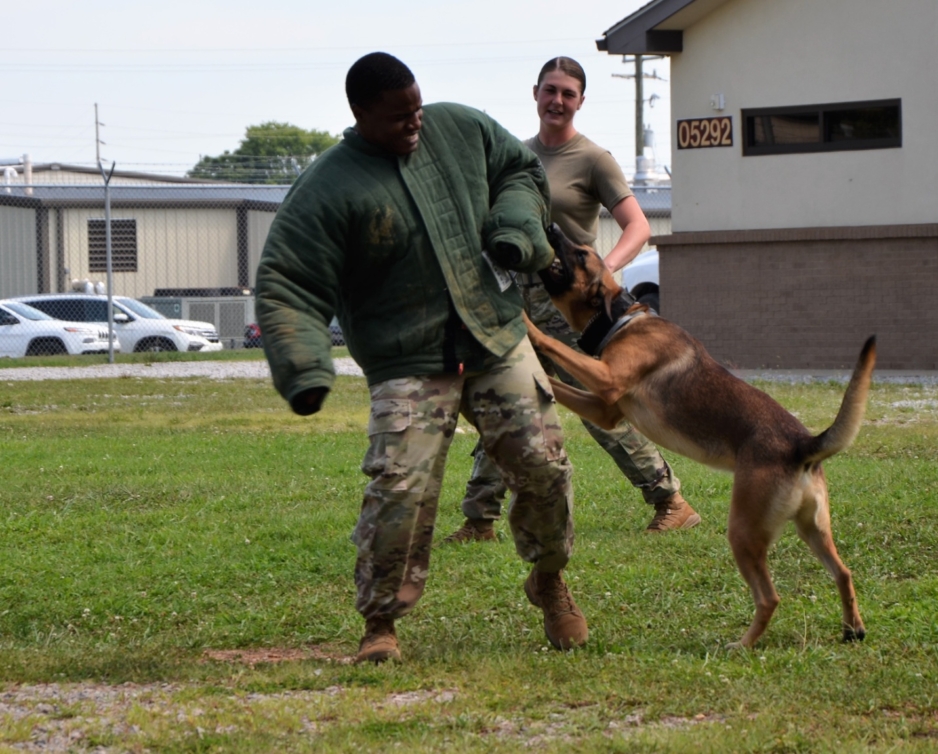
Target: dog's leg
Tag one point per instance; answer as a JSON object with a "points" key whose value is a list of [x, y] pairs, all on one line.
{"points": [[595, 375], [752, 559], [813, 526], [589, 406], [750, 539]]}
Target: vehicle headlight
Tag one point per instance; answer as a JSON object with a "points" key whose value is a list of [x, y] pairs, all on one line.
{"points": [[80, 330], [186, 330]]}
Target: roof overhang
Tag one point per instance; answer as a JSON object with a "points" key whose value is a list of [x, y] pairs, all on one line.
{"points": [[656, 28], [51, 167]]}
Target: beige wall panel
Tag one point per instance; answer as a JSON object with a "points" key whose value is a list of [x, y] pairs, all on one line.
{"points": [[17, 251], [764, 53], [175, 249], [258, 227]]}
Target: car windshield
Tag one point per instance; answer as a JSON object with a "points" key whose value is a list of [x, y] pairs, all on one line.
{"points": [[26, 311], [140, 309]]}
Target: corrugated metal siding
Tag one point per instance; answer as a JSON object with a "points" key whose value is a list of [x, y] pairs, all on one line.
{"points": [[182, 248], [18, 265], [258, 227]]}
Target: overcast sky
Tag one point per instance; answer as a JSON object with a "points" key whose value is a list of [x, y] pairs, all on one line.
{"points": [[175, 80]]}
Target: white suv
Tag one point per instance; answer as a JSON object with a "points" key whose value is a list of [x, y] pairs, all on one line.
{"points": [[26, 331], [138, 327]]}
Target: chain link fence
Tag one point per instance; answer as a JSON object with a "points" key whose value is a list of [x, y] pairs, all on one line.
{"points": [[655, 201], [183, 259], [182, 266]]}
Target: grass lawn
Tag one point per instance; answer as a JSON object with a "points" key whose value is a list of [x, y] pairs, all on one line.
{"points": [[175, 575]]}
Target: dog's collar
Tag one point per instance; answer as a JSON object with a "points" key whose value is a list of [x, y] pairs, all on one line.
{"points": [[601, 328]]}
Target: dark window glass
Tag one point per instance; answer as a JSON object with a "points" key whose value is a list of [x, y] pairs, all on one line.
{"points": [[41, 306], [823, 128], [797, 128], [71, 309], [68, 309], [862, 123], [95, 311], [123, 245]]}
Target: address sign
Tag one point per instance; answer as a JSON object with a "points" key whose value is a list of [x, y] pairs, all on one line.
{"points": [[699, 133]]}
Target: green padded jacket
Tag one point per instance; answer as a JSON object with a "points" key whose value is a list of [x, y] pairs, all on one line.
{"points": [[394, 246]]}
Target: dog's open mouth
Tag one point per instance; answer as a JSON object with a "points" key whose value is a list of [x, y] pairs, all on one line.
{"points": [[556, 269], [555, 277]]}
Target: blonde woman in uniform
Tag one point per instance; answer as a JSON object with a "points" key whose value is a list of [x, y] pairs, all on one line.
{"points": [[583, 177]]}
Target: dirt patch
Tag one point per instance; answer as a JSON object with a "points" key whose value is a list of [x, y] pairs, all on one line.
{"points": [[271, 655], [419, 697]]}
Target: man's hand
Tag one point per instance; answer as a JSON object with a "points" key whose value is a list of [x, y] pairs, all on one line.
{"points": [[309, 401], [506, 255]]}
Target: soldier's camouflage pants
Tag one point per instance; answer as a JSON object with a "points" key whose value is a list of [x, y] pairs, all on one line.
{"points": [[635, 455], [411, 427]]}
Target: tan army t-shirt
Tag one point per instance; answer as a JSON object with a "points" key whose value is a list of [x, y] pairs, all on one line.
{"points": [[582, 175]]}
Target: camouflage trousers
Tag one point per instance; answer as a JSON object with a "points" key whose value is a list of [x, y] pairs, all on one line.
{"points": [[636, 456], [410, 430]]}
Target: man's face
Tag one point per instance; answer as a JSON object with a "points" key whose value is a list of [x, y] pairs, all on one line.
{"points": [[394, 121]]}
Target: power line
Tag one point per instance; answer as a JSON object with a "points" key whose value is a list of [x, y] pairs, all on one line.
{"points": [[234, 67], [216, 50]]}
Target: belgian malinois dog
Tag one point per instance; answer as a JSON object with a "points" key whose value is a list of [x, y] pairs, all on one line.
{"points": [[641, 368]]}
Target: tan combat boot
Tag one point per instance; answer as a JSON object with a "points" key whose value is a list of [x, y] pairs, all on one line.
{"points": [[379, 642], [472, 530], [564, 624], [673, 513]]}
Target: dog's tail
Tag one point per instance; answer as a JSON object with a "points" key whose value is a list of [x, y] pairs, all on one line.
{"points": [[844, 430]]}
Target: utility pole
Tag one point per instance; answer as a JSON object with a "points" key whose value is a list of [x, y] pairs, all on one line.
{"points": [[640, 77], [639, 108], [108, 259], [97, 136]]}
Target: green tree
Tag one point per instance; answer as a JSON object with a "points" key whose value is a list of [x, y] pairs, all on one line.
{"points": [[271, 152]]}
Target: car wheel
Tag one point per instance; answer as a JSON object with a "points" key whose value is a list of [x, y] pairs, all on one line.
{"points": [[154, 345], [46, 347]]}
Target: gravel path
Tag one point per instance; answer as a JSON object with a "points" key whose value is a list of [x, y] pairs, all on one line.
{"points": [[800, 376], [216, 370], [258, 370]]}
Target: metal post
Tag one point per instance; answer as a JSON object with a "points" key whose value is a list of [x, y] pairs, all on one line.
{"points": [[107, 251], [639, 108]]}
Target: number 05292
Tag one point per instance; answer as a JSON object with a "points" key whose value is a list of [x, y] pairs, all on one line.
{"points": [[699, 133]]}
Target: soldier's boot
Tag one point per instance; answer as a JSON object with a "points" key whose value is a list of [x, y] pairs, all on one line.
{"points": [[564, 624], [673, 513], [472, 530], [379, 642]]}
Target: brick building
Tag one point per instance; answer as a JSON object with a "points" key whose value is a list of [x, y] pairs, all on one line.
{"points": [[804, 215]]}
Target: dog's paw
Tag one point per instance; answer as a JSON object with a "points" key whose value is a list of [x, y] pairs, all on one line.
{"points": [[854, 634], [736, 646]]}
